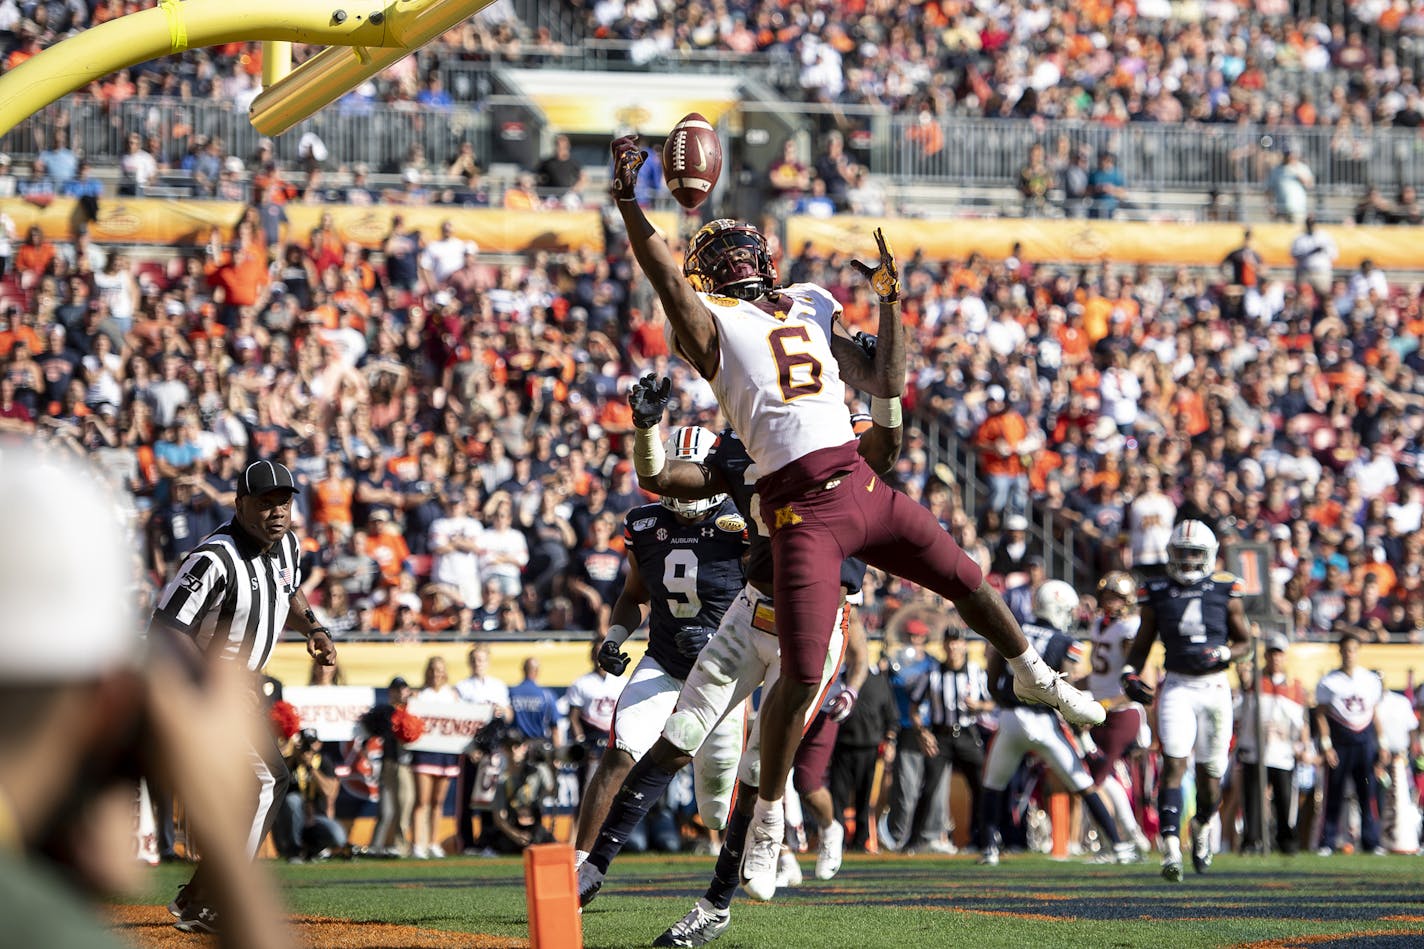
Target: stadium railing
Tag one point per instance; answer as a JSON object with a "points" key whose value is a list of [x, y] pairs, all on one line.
{"points": [[970, 152]]}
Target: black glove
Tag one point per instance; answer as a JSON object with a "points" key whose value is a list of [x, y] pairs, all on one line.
{"points": [[611, 658], [649, 399], [691, 639], [867, 343], [1210, 659], [627, 159], [1136, 689]]}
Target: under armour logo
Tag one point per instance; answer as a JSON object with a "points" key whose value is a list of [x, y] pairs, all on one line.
{"points": [[787, 517], [637, 795], [707, 532]]}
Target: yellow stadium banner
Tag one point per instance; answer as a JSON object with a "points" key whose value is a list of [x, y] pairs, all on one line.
{"points": [[1081, 241], [374, 664], [604, 103], [495, 230], [174, 223], [127, 220]]}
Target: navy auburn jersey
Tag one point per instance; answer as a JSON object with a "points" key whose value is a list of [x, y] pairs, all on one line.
{"points": [[729, 457], [1059, 650], [1191, 618], [693, 572]]}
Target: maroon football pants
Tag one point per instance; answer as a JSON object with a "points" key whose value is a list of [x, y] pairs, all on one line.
{"points": [[828, 506]]}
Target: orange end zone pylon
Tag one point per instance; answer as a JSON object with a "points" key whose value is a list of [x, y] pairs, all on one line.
{"points": [[551, 895], [1059, 815]]}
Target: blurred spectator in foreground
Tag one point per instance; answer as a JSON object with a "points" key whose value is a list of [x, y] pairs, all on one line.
{"points": [[83, 710]]}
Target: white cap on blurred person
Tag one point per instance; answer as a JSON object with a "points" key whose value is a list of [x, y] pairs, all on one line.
{"points": [[65, 580], [995, 393]]}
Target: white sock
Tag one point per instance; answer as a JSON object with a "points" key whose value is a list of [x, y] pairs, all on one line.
{"points": [[1122, 808], [579, 857], [1031, 666], [767, 812]]}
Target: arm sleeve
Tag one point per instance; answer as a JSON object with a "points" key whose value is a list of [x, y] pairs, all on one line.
{"points": [[197, 588]]}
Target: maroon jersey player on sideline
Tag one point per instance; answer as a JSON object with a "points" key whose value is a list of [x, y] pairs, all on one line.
{"points": [[778, 360]]}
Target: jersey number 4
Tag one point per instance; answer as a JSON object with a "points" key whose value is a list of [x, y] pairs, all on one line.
{"points": [[680, 580], [1191, 625], [799, 372]]}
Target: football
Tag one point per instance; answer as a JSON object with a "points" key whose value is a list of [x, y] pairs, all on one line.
{"points": [[692, 160]]}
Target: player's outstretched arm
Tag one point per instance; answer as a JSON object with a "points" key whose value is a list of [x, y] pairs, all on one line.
{"points": [[880, 444], [882, 372], [683, 480], [694, 327]]}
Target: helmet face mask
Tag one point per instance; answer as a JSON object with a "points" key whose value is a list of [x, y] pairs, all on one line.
{"points": [[730, 259], [1055, 602], [691, 443], [1116, 592], [1191, 552]]}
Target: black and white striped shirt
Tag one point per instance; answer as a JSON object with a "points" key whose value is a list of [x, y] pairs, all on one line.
{"points": [[230, 597], [949, 694]]}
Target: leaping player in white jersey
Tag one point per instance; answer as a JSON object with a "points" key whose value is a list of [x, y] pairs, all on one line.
{"points": [[778, 360]]}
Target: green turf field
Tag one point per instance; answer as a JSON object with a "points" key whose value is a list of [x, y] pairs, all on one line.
{"points": [[891, 901]]}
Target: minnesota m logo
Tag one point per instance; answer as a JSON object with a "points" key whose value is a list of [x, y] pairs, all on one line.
{"points": [[786, 517]]}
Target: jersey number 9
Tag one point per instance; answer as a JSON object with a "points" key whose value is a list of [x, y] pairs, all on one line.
{"points": [[680, 580]]}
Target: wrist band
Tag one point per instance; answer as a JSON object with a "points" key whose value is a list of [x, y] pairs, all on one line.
{"points": [[886, 412], [1129, 671], [649, 459], [616, 635]]}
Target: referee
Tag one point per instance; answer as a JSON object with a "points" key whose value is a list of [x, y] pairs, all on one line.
{"points": [[230, 599]]}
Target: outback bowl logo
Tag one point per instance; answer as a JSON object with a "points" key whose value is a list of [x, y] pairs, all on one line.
{"points": [[731, 523], [116, 221], [369, 229], [1088, 244], [633, 116]]}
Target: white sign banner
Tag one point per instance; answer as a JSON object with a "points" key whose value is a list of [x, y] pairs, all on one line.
{"points": [[333, 710], [449, 726]]}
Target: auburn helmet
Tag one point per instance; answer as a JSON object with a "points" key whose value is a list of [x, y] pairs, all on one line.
{"points": [[1055, 602], [691, 443], [1118, 583], [1191, 552], [730, 259]]}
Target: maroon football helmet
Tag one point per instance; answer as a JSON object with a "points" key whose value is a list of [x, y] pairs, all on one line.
{"points": [[729, 258]]}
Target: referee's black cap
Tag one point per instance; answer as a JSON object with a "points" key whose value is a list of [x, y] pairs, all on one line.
{"points": [[263, 476]]}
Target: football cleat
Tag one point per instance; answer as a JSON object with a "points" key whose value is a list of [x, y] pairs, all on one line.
{"points": [[699, 927], [590, 881], [788, 870], [1172, 859], [1126, 852], [198, 919], [180, 902], [1077, 706], [1201, 846], [828, 855], [760, 859], [990, 857]]}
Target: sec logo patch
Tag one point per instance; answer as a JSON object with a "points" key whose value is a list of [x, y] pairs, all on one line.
{"points": [[731, 523]]}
